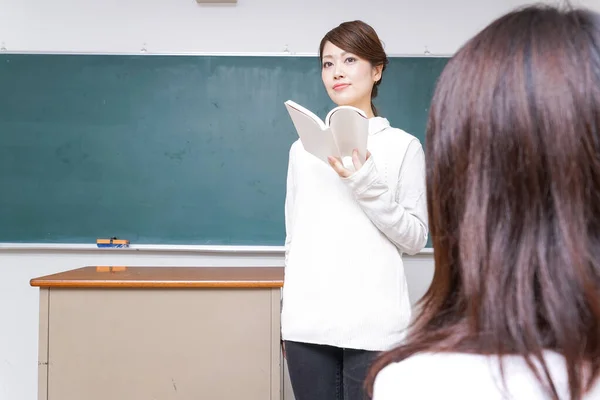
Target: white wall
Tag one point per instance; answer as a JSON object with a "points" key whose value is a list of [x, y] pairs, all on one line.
{"points": [[406, 26], [182, 26]]}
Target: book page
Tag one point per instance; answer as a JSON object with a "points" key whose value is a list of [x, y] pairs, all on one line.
{"points": [[316, 138], [292, 104], [350, 131]]}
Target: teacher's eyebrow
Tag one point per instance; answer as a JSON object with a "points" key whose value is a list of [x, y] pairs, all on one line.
{"points": [[330, 56]]}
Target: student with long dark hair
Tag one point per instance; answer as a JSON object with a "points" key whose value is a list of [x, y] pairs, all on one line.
{"points": [[513, 189]]}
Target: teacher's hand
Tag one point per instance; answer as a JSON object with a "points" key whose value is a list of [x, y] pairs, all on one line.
{"points": [[343, 172]]}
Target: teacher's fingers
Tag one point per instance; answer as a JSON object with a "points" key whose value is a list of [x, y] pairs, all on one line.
{"points": [[356, 160], [338, 167]]}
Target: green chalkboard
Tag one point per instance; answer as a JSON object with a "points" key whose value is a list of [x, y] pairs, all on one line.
{"points": [[164, 149]]}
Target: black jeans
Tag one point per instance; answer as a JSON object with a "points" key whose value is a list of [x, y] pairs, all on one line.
{"points": [[327, 373]]}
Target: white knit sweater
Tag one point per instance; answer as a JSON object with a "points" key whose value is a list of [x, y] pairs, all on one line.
{"points": [[455, 376], [344, 278]]}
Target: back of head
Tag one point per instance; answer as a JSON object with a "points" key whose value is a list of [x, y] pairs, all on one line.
{"points": [[513, 185], [360, 39]]}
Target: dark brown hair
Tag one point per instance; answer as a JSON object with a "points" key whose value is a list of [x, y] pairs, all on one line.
{"points": [[360, 39], [513, 188]]}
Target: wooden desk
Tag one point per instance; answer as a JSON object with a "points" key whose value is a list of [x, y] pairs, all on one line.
{"points": [[160, 333]]}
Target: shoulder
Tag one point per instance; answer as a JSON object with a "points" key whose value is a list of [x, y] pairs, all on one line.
{"points": [[381, 125], [409, 378], [401, 133], [397, 136], [466, 376], [399, 148], [433, 376], [294, 148]]}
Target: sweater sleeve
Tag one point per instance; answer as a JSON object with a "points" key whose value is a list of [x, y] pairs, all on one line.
{"points": [[289, 203], [400, 216]]}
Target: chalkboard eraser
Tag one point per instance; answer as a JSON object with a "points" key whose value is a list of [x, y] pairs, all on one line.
{"points": [[215, 1], [112, 243], [102, 268]]}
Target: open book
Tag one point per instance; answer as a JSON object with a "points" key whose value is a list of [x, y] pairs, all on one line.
{"points": [[345, 128]]}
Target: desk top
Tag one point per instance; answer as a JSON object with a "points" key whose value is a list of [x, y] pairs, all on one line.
{"points": [[165, 277]]}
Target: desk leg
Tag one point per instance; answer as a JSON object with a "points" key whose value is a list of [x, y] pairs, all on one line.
{"points": [[43, 344], [276, 362]]}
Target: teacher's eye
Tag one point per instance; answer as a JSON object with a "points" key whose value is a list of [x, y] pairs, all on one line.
{"points": [[350, 60], [327, 64]]}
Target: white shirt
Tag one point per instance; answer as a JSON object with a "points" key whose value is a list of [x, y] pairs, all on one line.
{"points": [[344, 277], [469, 377]]}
